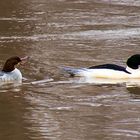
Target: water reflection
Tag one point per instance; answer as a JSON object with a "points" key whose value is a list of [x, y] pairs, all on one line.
{"points": [[135, 92], [43, 123], [11, 116]]}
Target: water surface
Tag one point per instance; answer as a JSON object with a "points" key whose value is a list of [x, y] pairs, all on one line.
{"points": [[49, 105]]}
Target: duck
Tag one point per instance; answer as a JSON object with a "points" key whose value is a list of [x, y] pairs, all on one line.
{"points": [[10, 72], [109, 71]]}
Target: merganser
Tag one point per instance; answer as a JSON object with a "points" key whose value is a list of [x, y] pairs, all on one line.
{"points": [[9, 72], [109, 71]]}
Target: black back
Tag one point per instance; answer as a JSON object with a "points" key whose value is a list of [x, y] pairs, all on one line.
{"points": [[110, 66]]}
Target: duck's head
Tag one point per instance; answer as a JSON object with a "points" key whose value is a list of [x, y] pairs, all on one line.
{"points": [[11, 63], [134, 61]]}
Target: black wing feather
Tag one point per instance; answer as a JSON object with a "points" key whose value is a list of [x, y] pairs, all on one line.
{"points": [[110, 66]]}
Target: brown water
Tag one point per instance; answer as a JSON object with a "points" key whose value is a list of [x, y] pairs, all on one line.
{"points": [[77, 33]]}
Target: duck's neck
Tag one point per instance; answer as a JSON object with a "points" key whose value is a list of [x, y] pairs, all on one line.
{"points": [[131, 70], [16, 74]]}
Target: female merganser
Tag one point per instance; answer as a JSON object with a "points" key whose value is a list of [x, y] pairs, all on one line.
{"points": [[9, 72], [109, 71]]}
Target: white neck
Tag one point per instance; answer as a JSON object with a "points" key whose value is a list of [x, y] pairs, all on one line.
{"points": [[16, 74], [131, 70]]}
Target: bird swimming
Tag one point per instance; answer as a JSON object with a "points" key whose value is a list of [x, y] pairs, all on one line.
{"points": [[9, 72], [109, 71]]}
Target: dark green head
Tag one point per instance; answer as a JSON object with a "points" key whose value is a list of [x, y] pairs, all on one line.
{"points": [[134, 61]]}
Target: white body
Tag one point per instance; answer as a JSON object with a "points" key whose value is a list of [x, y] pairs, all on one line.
{"points": [[15, 75], [106, 73], [110, 74]]}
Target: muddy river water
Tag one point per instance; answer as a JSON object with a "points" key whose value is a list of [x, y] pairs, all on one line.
{"points": [[78, 33]]}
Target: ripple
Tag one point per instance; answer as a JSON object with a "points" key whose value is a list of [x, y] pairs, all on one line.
{"points": [[86, 35], [106, 34], [19, 19], [122, 2], [128, 133]]}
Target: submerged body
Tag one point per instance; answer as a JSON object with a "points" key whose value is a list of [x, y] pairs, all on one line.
{"points": [[109, 71]]}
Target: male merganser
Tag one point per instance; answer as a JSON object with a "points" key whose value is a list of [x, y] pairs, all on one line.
{"points": [[109, 71], [9, 72]]}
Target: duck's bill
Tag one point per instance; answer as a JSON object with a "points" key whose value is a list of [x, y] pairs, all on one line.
{"points": [[24, 59]]}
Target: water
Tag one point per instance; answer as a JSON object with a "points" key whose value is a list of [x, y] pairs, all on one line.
{"points": [[49, 105]]}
